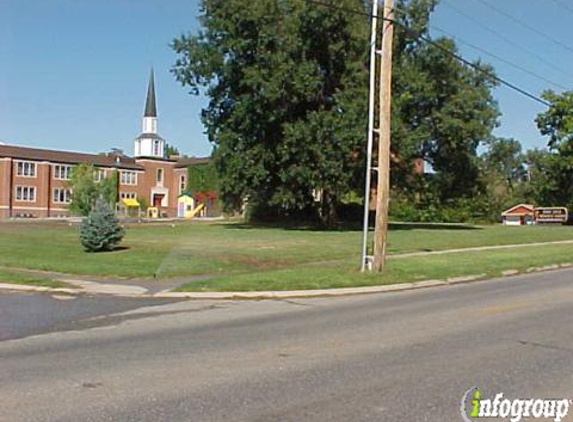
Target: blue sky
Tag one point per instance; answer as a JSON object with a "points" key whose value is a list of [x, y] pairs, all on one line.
{"points": [[73, 73]]}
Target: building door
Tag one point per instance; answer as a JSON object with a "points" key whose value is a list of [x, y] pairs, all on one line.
{"points": [[157, 199]]}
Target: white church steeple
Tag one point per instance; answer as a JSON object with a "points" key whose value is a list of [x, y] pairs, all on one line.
{"points": [[149, 143]]}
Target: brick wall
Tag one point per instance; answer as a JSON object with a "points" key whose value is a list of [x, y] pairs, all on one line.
{"points": [[43, 181]]}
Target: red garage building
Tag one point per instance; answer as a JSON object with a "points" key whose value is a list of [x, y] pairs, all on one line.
{"points": [[522, 214]]}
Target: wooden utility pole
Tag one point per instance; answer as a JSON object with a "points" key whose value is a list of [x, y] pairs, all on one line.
{"points": [[383, 189]]}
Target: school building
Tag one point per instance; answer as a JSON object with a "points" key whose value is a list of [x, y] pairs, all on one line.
{"points": [[35, 182]]}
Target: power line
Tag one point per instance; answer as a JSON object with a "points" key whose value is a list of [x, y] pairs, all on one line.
{"points": [[501, 59], [429, 41], [506, 39], [479, 69], [526, 25], [563, 5]]}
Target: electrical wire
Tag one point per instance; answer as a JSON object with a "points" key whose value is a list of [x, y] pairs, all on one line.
{"points": [[501, 59], [563, 5], [526, 25], [506, 39], [429, 41]]}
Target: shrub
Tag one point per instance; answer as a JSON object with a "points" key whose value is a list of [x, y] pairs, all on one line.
{"points": [[479, 209], [100, 230]]}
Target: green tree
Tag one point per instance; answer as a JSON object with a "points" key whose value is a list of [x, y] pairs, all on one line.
{"points": [[171, 150], [550, 177], [108, 188], [557, 122], [100, 230], [85, 190], [287, 82], [283, 78], [552, 171], [505, 160], [502, 177], [442, 109], [202, 178]]}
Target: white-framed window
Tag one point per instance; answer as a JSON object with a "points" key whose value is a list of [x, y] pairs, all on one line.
{"points": [[26, 193], [156, 148], [128, 177], [159, 177], [26, 169], [182, 183], [62, 172], [62, 196], [128, 195], [99, 175]]}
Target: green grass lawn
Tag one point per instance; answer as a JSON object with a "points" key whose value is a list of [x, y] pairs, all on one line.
{"points": [[13, 277], [233, 252], [487, 264]]}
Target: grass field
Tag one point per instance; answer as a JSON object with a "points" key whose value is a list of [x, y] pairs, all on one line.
{"points": [[244, 257], [14, 277], [486, 264]]}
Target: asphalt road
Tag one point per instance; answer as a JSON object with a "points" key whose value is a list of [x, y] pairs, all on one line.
{"points": [[24, 314], [391, 357]]}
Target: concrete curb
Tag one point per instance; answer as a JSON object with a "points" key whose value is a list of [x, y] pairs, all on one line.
{"points": [[139, 292], [107, 289], [350, 291], [291, 294], [26, 288]]}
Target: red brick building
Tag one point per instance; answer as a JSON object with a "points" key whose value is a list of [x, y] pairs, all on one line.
{"points": [[35, 182]]}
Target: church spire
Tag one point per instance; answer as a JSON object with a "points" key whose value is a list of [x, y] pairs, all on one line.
{"points": [[150, 109], [149, 143], [150, 114]]}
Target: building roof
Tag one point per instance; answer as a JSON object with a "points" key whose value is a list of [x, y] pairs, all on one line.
{"points": [[179, 162], [150, 136], [191, 161], [150, 108], [54, 156], [114, 159], [521, 209]]}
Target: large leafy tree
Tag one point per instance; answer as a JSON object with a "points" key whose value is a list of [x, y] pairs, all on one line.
{"points": [[283, 78], [552, 171], [557, 122], [502, 178], [287, 82], [442, 109], [505, 160]]}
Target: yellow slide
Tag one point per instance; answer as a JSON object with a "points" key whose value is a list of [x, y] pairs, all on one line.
{"points": [[196, 210]]}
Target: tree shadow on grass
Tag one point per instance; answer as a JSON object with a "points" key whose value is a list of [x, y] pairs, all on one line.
{"points": [[433, 226], [346, 226], [116, 249]]}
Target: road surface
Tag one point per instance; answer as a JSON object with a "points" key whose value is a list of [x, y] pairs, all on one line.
{"points": [[406, 356], [22, 315]]}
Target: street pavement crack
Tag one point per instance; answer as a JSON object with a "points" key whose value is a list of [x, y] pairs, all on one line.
{"points": [[545, 346]]}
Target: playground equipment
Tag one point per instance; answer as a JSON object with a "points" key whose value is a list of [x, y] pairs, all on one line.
{"points": [[187, 207], [198, 210], [152, 212]]}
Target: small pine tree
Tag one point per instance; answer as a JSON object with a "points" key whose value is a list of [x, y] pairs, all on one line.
{"points": [[100, 230]]}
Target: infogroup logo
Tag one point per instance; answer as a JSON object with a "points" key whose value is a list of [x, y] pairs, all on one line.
{"points": [[474, 406]]}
